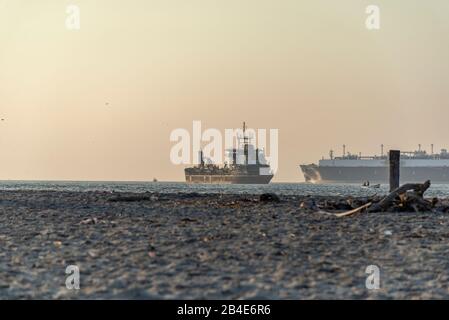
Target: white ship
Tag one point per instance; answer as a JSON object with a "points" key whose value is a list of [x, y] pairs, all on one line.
{"points": [[415, 166]]}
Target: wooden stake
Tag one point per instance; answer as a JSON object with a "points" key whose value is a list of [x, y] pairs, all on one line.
{"points": [[395, 161]]}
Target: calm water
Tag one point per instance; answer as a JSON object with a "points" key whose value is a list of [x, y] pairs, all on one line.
{"points": [[437, 190]]}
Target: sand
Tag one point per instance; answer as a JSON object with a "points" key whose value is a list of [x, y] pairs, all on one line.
{"points": [[191, 246]]}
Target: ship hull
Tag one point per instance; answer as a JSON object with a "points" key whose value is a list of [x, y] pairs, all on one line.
{"points": [[321, 174], [229, 179]]}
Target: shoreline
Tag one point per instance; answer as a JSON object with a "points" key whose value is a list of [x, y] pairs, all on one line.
{"points": [[218, 246]]}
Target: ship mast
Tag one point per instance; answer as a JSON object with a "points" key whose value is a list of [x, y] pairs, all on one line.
{"points": [[245, 143]]}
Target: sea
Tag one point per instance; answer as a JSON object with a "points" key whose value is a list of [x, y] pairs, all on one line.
{"points": [[356, 190]]}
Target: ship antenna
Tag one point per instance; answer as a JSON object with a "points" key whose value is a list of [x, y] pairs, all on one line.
{"points": [[381, 150], [431, 148], [344, 150]]}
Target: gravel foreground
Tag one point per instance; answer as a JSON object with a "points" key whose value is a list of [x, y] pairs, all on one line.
{"points": [[191, 246]]}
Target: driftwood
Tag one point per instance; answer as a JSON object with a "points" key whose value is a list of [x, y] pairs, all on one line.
{"points": [[353, 211], [410, 194], [130, 199], [408, 197]]}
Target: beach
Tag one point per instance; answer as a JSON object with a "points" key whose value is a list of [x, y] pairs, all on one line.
{"points": [[213, 246]]}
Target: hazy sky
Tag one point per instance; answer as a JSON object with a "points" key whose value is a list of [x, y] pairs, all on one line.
{"points": [[100, 103]]}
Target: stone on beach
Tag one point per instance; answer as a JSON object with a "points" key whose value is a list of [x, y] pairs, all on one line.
{"points": [[269, 197]]}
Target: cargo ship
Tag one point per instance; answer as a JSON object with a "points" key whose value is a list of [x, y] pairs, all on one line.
{"points": [[247, 165], [415, 166]]}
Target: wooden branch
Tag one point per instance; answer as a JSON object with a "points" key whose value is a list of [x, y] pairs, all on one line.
{"points": [[353, 211]]}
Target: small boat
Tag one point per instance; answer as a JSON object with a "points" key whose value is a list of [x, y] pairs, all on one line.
{"points": [[155, 180], [368, 186]]}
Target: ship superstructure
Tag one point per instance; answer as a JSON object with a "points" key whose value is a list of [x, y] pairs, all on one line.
{"points": [[246, 165]]}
